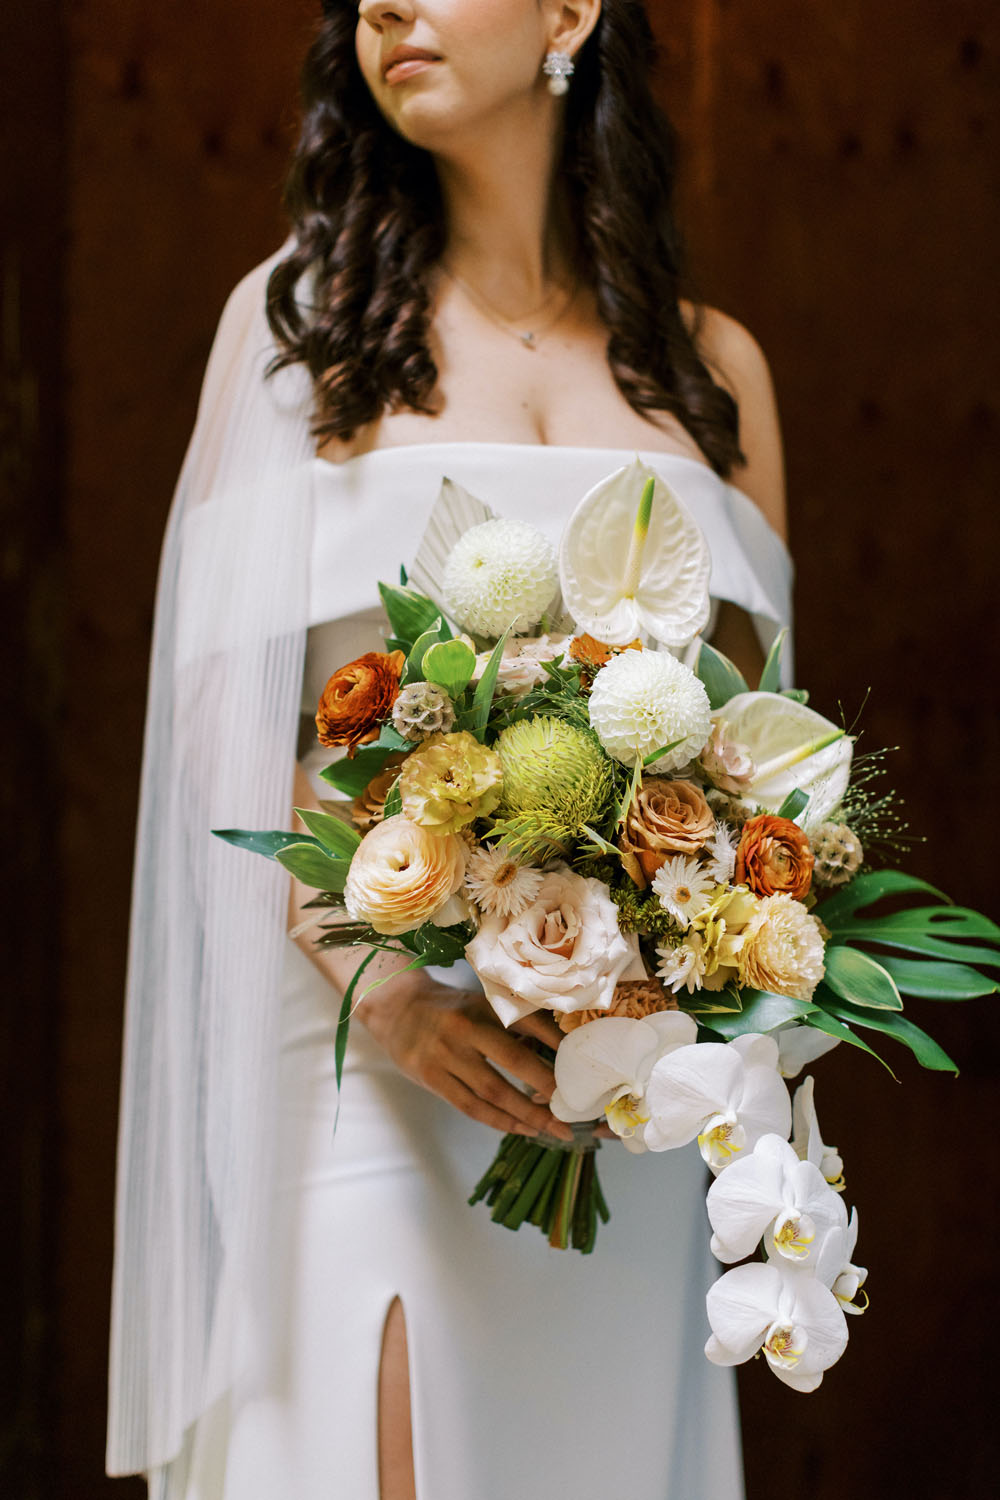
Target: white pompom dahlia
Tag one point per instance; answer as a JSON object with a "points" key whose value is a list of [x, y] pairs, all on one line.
{"points": [[500, 574], [642, 700]]}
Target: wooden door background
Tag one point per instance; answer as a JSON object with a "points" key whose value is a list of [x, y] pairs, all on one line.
{"points": [[840, 194]]}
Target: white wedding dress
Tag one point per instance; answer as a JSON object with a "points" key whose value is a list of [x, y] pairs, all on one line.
{"points": [[535, 1374]]}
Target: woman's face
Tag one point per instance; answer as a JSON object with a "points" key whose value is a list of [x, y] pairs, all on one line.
{"points": [[438, 67]]}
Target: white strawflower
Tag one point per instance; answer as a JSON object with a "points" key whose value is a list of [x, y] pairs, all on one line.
{"points": [[642, 700], [500, 574], [500, 885], [721, 851], [683, 886], [683, 965]]}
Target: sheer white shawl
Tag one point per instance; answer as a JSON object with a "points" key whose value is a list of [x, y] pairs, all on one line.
{"points": [[199, 1073]]}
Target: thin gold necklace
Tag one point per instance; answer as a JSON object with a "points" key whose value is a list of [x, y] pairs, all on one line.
{"points": [[528, 338]]}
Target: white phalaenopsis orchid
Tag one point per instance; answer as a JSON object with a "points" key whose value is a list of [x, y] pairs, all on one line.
{"points": [[727, 1095], [799, 1044], [835, 1270], [792, 1316], [792, 746], [772, 1192], [632, 560], [807, 1142], [604, 1066]]}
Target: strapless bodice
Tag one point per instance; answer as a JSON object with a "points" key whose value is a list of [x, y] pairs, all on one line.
{"points": [[369, 514]]}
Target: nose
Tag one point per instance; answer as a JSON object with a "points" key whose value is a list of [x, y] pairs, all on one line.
{"points": [[382, 13]]}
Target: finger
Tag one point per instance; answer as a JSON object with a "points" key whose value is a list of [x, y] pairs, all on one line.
{"points": [[508, 1053], [541, 1026], [494, 1088], [457, 1093]]}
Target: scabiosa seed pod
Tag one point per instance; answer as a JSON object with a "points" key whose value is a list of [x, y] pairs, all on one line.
{"points": [[422, 709], [838, 853]]}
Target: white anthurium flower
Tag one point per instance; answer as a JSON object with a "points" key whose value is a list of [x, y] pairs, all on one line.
{"points": [[604, 1066], [771, 1192], [792, 746], [790, 1315], [633, 561], [724, 1094], [834, 1267], [807, 1142], [799, 1044]]}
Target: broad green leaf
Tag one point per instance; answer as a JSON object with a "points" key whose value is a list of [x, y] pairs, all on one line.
{"points": [[864, 890], [725, 1002], [770, 678], [721, 677], [313, 866], [450, 664], [409, 613], [924, 1048], [414, 671], [442, 946], [937, 931], [261, 842], [485, 688], [761, 1012], [351, 776], [934, 979], [336, 836], [857, 977], [826, 1021], [391, 739], [797, 695], [793, 804], [393, 803]]}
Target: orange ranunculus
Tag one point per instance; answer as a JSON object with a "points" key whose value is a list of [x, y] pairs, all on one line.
{"points": [[774, 858], [666, 817], [358, 697], [593, 653]]}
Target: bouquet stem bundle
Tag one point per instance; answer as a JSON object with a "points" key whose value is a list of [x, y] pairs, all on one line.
{"points": [[553, 1185]]}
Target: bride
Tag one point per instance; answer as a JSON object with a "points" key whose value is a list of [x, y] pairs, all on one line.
{"points": [[483, 282]]}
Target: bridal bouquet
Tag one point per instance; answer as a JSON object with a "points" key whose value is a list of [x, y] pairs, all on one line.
{"points": [[677, 868]]}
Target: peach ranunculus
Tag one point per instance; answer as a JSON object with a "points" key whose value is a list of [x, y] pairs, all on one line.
{"points": [[564, 952], [782, 949], [774, 856], [358, 697], [666, 817], [402, 876]]}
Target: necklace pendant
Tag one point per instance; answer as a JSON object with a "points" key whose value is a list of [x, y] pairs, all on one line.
{"points": [[528, 340]]}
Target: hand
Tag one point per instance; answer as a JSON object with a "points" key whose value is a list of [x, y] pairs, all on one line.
{"points": [[447, 1040]]}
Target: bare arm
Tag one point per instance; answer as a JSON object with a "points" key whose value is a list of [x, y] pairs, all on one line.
{"points": [[447, 1040], [738, 363]]}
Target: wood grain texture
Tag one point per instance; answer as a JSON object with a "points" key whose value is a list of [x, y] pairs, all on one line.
{"points": [[839, 191]]}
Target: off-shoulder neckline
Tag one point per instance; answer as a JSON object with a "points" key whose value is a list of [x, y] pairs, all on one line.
{"points": [[650, 455]]}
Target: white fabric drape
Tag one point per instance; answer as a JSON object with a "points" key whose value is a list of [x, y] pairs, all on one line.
{"points": [[207, 944]]}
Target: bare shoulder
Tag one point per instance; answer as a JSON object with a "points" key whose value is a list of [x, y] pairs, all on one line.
{"points": [[738, 363]]}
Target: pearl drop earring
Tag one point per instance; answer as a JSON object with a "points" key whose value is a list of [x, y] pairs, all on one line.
{"points": [[558, 69]]}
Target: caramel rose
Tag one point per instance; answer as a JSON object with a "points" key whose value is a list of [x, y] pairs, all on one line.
{"points": [[634, 999], [667, 817], [774, 858], [358, 697], [369, 808]]}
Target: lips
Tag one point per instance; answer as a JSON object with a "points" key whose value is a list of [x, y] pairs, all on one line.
{"points": [[402, 61]]}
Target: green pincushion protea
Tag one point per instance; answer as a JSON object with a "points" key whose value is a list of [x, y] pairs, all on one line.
{"points": [[556, 779]]}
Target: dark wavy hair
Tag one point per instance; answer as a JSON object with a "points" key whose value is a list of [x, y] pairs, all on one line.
{"points": [[367, 212]]}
